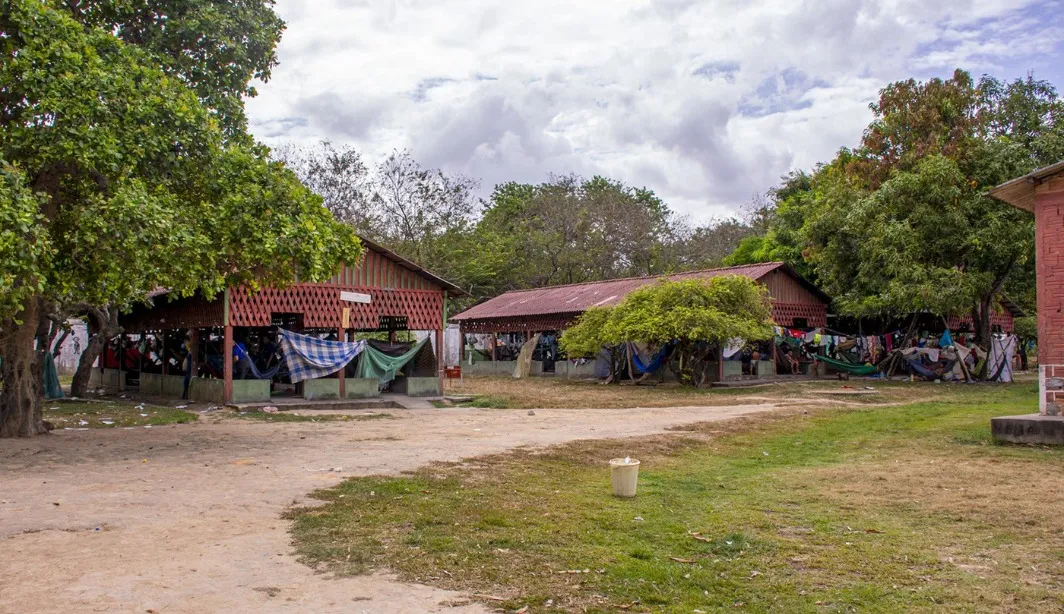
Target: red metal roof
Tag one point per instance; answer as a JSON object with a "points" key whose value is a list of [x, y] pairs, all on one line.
{"points": [[577, 298]]}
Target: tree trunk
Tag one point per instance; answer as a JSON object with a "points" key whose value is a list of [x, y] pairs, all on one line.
{"points": [[105, 323], [79, 387], [20, 399], [981, 320]]}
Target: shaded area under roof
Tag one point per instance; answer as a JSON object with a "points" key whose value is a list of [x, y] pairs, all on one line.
{"points": [[577, 298]]}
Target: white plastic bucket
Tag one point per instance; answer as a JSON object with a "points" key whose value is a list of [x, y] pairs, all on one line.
{"points": [[625, 474]]}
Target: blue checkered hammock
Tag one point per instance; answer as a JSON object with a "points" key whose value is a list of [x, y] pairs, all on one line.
{"points": [[311, 358]]}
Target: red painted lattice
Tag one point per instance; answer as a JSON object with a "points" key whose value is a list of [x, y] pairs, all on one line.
{"points": [[784, 314], [1003, 320], [322, 307]]}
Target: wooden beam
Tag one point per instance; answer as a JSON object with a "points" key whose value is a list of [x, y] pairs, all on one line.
{"points": [[227, 361], [341, 335]]}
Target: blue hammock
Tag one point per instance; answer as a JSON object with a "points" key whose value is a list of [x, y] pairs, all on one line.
{"points": [[242, 354], [655, 363]]}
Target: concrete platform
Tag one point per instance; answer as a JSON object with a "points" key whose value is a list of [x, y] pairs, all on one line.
{"points": [[385, 401], [1030, 428]]}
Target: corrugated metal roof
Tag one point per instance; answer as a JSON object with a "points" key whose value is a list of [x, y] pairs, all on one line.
{"points": [[577, 298], [1020, 191]]}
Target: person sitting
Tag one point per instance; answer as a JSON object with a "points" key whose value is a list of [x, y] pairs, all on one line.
{"points": [[789, 361]]}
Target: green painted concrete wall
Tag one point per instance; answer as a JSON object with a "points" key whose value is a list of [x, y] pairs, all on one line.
{"points": [[417, 386], [315, 389], [251, 390], [361, 387], [203, 390]]}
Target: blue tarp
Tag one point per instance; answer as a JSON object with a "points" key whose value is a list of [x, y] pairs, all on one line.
{"points": [[242, 354], [654, 364]]}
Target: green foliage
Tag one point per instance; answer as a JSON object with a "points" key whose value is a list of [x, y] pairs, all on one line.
{"points": [[592, 331], [698, 315], [689, 311], [138, 187], [1027, 327], [903, 223], [24, 245], [216, 48], [784, 217]]}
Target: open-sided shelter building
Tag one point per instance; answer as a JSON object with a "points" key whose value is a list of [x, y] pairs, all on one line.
{"points": [[384, 293], [796, 303]]}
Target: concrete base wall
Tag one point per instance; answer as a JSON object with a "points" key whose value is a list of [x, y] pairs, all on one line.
{"points": [[203, 390], [361, 388], [1033, 428], [417, 386], [1050, 389], [316, 389], [563, 368], [156, 384], [733, 370], [108, 379], [490, 367], [251, 390]]}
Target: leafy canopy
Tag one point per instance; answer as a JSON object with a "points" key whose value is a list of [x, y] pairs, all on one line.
{"points": [[121, 180], [689, 311]]}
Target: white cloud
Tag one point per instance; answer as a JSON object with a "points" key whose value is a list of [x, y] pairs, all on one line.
{"points": [[705, 102]]}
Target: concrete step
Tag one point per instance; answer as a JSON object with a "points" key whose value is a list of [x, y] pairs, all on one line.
{"points": [[323, 405]]}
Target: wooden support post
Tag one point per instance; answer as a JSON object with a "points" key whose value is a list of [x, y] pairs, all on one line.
{"points": [[121, 362], [494, 342], [140, 360], [341, 334], [440, 362], [227, 361], [720, 363], [193, 350], [162, 354]]}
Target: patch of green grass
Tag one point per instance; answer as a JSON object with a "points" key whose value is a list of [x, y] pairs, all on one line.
{"points": [[289, 417], [111, 414], [881, 509], [480, 401]]}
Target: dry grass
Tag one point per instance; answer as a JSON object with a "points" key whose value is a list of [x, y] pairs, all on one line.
{"points": [[877, 508], [544, 392]]}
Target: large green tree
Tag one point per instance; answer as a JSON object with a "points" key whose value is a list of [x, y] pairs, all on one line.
{"points": [[698, 316], [904, 223], [120, 178]]}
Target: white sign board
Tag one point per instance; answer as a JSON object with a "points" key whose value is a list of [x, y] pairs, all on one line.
{"points": [[355, 297]]}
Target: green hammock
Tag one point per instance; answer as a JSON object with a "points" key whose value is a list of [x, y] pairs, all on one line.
{"points": [[849, 368], [375, 364]]}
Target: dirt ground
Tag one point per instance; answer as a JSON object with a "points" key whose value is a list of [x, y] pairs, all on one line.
{"points": [[187, 518]]}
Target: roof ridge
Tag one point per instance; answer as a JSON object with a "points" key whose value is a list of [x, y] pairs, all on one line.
{"points": [[774, 264]]}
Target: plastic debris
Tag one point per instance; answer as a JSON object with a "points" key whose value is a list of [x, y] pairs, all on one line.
{"points": [[181, 407], [144, 415], [82, 423], [108, 422], [270, 409]]}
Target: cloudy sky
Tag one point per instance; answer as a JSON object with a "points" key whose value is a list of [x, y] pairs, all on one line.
{"points": [[704, 101]]}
